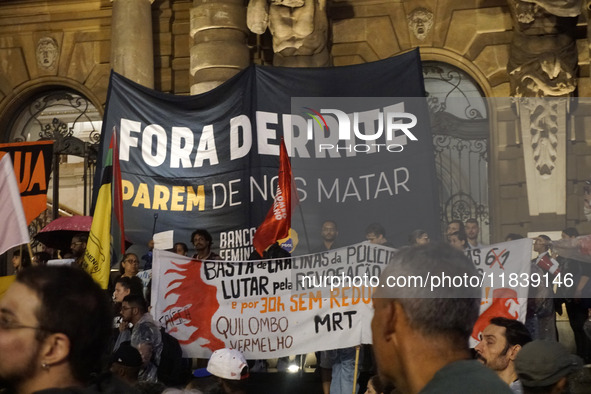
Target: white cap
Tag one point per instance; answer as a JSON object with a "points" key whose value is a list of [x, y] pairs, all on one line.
{"points": [[227, 364]]}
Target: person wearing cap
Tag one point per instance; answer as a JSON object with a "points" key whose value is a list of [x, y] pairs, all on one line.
{"points": [[500, 343], [420, 339], [545, 367], [127, 363], [230, 366]]}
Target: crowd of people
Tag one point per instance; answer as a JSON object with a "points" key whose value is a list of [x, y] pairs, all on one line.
{"points": [[60, 332]]}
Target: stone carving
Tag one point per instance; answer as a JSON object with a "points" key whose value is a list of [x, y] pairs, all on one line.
{"points": [[420, 22], [299, 29], [543, 59], [47, 53], [543, 124]]}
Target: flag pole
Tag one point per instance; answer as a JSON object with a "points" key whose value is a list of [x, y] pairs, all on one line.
{"points": [[30, 253], [356, 368], [154, 226], [304, 227]]}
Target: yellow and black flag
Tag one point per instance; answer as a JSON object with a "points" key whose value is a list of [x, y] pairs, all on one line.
{"points": [[97, 258]]}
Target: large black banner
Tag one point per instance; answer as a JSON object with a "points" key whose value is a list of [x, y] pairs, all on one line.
{"points": [[358, 137]]}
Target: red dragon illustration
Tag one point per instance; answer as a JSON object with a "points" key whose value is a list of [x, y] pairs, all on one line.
{"points": [[201, 297]]}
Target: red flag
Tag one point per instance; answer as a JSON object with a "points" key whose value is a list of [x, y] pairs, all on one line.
{"points": [[118, 228], [278, 221]]}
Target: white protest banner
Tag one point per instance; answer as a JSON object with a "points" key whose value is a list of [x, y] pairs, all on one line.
{"points": [[506, 278], [274, 308], [268, 308]]}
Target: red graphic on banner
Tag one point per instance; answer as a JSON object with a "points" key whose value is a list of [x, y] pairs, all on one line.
{"points": [[501, 303], [201, 297]]}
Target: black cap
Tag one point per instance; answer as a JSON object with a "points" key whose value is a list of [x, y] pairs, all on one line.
{"points": [[127, 355]]}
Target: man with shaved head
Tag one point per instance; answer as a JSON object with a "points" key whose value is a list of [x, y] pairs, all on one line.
{"points": [[420, 337]]}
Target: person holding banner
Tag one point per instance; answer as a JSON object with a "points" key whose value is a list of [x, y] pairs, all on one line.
{"points": [[203, 241], [420, 337]]}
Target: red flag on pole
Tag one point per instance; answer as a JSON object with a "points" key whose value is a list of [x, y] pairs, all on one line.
{"points": [[278, 220], [118, 227]]}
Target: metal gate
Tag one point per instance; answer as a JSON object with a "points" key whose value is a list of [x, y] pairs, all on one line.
{"points": [[460, 140]]}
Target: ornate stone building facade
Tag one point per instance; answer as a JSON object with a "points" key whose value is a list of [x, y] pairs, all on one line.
{"points": [[530, 171]]}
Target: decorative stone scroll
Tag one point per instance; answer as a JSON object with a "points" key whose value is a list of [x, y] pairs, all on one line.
{"points": [[542, 71]]}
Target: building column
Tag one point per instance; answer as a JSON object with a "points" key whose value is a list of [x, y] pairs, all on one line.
{"points": [[219, 50], [542, 73], [132, 50]]}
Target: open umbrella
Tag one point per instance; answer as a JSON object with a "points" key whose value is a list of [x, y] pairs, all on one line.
{"points": [[59, 232]]}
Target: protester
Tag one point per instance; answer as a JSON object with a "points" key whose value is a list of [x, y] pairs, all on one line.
{"points": [[147, 258], [144, 336], [376, 234], [513, 237], [472, 232], [577, 311], [230, 366], [127, 363], [329, 234], [541, 317], [78, 247], [55, 324], [421, 342], [455, 225], [203, 242], [546, 367], [41, 258], [124, 286], [129, 266], [20, 260], [180, 248], [418, 237], [375, 386], [500, 343], [458, 240]]}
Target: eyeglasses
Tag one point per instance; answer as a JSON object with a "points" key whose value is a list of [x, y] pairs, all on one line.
{"points": [[125, 308], [10, 325], [75, 243]]}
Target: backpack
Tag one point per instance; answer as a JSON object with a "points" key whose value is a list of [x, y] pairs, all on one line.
{"points": [[173, 369]]}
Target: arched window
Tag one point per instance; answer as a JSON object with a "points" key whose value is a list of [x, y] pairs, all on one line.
{"points": [[74, 123], [459, 120]]}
